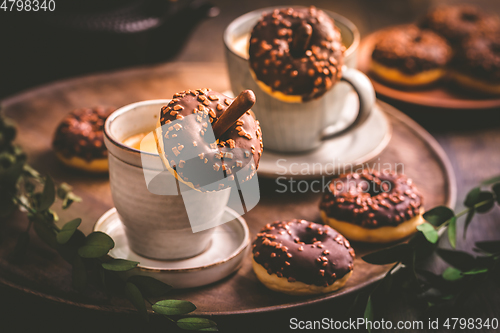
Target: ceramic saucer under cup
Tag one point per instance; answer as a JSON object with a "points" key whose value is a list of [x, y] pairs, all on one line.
{"points": [[353, 148], [229, 246]]}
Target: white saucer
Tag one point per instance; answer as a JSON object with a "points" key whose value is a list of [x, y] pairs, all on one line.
{"points": [[359, 146], [230, 244]]}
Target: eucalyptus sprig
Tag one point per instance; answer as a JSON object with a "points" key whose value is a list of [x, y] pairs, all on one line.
{"points": [[22, 187], [464, 270]]}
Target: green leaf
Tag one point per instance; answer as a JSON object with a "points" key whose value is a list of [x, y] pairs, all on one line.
{"points": [[492, 247], [428, 278], [172, 307], [496, 190], [387, 282], [68, 230], [409, 262], [389, 255], [196, 324], [468, 220], [149, 286], [50, 216], [476, 196], [491, 180], [63, 190], [209, 329], [45, 233], [119, 265], [438, 215], [421, 246], [457, 259], [28, 170], [70, 249], [452, 274], [79, 274], [70, 198], [133, 294], [452, 232], [472, 197], [485, 196], [368, 315], [7, 159], [476, 271], [65, 194], [48, 194], [10, 169], [97, 244], [353, 304], [429, 232]]}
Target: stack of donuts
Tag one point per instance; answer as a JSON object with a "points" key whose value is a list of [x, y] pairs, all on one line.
{"points": [[458, 42]]}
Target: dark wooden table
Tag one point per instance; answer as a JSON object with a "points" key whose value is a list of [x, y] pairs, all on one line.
{"points": [[470, 138]]}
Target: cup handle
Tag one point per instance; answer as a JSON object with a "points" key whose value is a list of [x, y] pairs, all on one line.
{"points": [[366, 95]]}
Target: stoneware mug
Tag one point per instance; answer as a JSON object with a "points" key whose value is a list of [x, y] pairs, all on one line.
{"points": [[150, 202], [299, 127]]}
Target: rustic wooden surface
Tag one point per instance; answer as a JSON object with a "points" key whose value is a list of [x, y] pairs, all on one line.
{"points": [[444, 94], [37, 114], [470, 140]]}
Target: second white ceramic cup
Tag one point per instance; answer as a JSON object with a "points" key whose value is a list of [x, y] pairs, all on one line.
{"points": [[299, 127], [150, 202]]}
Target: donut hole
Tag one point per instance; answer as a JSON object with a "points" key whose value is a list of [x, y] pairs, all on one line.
{"points": [[309, 236], [470, 17], [417, 39]]}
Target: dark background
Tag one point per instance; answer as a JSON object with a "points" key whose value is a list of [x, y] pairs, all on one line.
{"points": [[34, 52]]}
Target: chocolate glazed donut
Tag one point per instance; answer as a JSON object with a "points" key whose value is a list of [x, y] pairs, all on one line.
{"points": [[410, 56], [477, 64], [78, 140], [456, 23], [296, 54], [372, 207], [204, 162], [298, 257]]}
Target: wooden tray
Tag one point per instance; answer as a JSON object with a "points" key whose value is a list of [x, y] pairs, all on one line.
{"points": [[44, 273], [444, 94]]}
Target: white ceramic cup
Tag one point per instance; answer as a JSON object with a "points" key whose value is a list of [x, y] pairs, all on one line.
{"points": [[157, 225], [299, 127]]}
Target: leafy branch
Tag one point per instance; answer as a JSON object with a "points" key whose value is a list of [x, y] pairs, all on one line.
{"points": [[22, 187], [464, 270]]}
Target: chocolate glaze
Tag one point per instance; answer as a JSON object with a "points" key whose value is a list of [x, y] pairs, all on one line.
{"points": [[479, 57], [308, 73], [303, 251], [411, 50], [460, 21], [80, 133], [372, 200], [196, 159]]}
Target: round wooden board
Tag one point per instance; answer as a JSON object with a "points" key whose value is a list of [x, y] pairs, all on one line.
{"points": [[444, 94], [44, 273]]}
